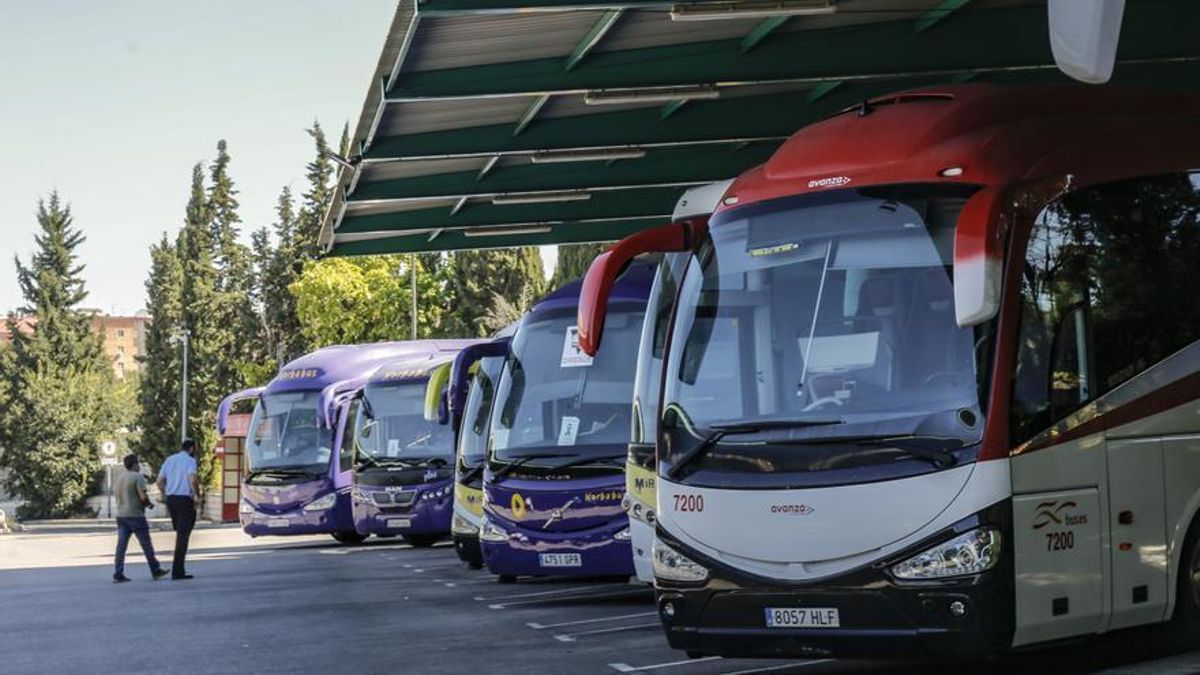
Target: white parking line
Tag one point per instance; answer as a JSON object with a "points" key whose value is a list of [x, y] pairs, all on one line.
{"points": [[626, 668], [570, 637], [767, 669], [555, 598], [531, 595], [542, 626]]}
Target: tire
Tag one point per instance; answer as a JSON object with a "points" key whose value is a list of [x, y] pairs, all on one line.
{"points": [[421, 540], [474, 566], [349, 538], [1184, 629], [507, 578]]}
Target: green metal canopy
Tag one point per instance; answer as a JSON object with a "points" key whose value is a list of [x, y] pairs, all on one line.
{"points": [[511, 122]]}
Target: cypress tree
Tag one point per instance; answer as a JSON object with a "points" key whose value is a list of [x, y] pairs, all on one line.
{"points": [[158, 394], [573, 262], [61, 389], [478, 278], [200, 303], [316, 199]]}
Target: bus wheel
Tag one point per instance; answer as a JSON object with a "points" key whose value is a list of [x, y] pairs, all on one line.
{"points": [[1185, 624], [421, 540], [349, 538]]}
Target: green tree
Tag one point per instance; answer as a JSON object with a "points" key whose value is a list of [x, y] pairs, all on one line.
{"points": [[316, 198], [241, 333], [368, 299], [199, 316], [158, 393], [61, 399], [477, 278], [573, 261], [279, 268]]}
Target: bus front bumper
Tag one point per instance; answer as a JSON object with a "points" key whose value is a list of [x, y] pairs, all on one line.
{"points": [[291, 523], [425, 516], [593, 552]]}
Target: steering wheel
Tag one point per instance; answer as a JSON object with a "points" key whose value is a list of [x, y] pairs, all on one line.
{"points": [[947, 374], [822, 402]]}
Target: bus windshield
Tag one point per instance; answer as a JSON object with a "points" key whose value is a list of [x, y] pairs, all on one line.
{"points": [[285, 436], [473, 438], [554, 399], [822, 316], [391, 427]]}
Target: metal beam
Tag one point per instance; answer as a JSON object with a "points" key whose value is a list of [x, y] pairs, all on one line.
{"points": [[938, 14], [530, 113], [761, 31], [981, 41], [491, 7], [593, 37], [603, 205], [487, 167], [671, 108], [455, 240], [818, 92]]}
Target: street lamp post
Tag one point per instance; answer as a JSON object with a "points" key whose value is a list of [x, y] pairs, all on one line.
{"points": [[182, 337]]}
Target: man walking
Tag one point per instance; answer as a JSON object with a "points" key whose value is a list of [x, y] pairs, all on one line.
{"points": [[132, 502], [177, 481]]}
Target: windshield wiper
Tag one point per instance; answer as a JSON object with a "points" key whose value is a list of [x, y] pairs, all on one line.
{"points": [[520, 461], [720, 431], [471, 473], [280, 472]]}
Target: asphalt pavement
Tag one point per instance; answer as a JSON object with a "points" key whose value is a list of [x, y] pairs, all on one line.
{"points": [[309, 605]]}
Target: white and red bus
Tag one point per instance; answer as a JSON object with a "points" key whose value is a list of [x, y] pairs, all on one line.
{"points": [[931, 380]]}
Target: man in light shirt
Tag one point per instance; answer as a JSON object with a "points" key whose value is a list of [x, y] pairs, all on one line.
{"points": [[177, 481]]}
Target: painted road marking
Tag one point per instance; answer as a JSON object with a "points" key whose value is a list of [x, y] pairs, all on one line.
{"points": [[539, 626], [570, 637], [531, 595], [573, 596], [626, 668], [767, 669]]}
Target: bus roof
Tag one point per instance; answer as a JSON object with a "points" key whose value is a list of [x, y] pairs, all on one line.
{"points": [[417, 366], [632, 285], [328, 365], [983, 134]]}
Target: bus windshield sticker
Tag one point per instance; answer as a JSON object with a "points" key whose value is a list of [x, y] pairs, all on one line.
{"points": [[393, 448], [568, 431], [572, 355]]}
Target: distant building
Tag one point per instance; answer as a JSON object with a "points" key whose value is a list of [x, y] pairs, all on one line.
{"points": [[124, 337]]}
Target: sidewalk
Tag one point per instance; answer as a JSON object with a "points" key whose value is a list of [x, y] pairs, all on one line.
{"points": [[99, 525]]}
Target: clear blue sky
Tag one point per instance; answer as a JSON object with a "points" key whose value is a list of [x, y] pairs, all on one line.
{"points": [[111, 103]]}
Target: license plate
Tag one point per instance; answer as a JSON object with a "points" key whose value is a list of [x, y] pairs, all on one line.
{"points": [[278, 522], [560, 560], [398, 523], [803, 617]]}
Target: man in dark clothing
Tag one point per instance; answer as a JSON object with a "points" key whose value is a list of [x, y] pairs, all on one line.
{"points": [[177, 481], [132, 502]]}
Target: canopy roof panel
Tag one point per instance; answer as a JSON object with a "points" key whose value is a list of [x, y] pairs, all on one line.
{"points": [[509, 122]]}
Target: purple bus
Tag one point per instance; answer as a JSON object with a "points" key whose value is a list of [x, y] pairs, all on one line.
{"points": [[296, 483], [401, 453], [559, 433]]}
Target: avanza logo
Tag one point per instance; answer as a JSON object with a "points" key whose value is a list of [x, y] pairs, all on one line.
{"points": [[832, 181], [1052, 513], [792, 509]]}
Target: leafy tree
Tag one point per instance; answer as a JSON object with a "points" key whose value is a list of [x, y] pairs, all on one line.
{"points": [[478, 277], [368, 299], [61, 399], [573, 262], [158, 394]]}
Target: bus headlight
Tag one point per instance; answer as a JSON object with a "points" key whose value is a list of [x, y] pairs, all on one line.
{"points": [[968, 553], [323, 504], [675, 566], [245, 507], [489, 531], [460, 525]]}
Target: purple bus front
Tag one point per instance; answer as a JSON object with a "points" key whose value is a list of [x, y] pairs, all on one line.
{"points": [[403, 460], [559, 430], [295, 484]]}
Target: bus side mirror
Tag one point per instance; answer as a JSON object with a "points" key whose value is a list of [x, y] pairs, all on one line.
{"points": [[604, 270], [979, 258], [466, 362], [439, 378]]}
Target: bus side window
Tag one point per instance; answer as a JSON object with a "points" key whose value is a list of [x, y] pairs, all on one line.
{"points": [[349, 431], [1108, 291]]}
